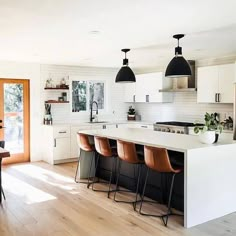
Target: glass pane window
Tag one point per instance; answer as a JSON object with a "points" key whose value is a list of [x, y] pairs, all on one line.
{"points": [[96, 93], [13, 117], [79, 96], [85, 92]]}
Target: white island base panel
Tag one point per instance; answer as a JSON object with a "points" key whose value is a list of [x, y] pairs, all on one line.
{"points": [[210, 191], [210, 170]]}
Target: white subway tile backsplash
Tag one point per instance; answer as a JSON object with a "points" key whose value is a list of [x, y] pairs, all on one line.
{"points": [[184, 108], [116, 108]]}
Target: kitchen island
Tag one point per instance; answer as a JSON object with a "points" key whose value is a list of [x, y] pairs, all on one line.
{"points": [[209, 170]]}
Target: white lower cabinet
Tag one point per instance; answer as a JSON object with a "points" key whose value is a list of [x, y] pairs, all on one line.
{"points": [[56, 144], [60, 142], [61, 149]]}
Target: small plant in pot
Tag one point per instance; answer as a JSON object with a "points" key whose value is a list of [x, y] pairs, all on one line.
{"points": [[47, 115], [131, 113], [209, 132]]}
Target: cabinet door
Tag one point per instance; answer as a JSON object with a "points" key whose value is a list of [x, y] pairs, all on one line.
{"points": [[207, 84], [61, 148], [141, 90], [154, 84], [226, 80], [129, 92]]}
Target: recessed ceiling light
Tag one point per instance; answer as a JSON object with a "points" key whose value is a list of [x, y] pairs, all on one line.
{"points": [[94, 32]]}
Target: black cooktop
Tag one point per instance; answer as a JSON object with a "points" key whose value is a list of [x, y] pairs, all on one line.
{"points": [[177, 123]]}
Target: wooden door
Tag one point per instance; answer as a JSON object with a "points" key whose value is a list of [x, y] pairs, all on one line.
{"points": [[15, 116]]}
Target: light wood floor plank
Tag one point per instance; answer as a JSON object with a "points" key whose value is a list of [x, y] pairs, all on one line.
{"points": [[43, 200]]}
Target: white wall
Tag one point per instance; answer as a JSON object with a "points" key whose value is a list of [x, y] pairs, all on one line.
{"points": [[115, 107], [12, 70]]}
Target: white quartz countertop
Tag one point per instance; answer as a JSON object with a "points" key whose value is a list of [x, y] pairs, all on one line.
{"points": [[171, 141], [84, 123]]}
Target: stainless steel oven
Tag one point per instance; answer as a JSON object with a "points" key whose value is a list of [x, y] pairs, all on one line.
{"points": [[173, 127]]}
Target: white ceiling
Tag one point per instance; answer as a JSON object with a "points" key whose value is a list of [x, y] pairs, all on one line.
{"points": [[92, 32]]}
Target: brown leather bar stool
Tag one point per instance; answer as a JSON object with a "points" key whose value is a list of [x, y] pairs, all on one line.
{"points": [[127, 153], [157, 159], [103, 148], [85, 146]]}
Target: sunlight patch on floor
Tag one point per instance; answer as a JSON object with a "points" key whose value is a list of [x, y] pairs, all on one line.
{"points": [[46, 176], [26, 192]]}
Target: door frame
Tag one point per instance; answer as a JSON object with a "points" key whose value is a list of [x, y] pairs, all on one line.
{"points": [[25, 157]]}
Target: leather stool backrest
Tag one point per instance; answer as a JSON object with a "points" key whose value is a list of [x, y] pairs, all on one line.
{"points": [[83, 142], [127, 152], [157, 159], [102, 146]]}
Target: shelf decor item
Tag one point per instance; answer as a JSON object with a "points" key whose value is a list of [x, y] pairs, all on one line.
{"points": [[49, 83], [48, 116], [209, 132], [131, 113]]}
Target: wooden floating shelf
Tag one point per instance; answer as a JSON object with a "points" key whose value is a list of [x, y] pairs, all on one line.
{"points": [[54, 101], [56, 88]]}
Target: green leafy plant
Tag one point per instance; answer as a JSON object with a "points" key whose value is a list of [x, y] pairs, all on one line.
{"points": [[47, 109], [131, 111], [212, 123]]}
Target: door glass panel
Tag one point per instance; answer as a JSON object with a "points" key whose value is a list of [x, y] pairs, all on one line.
{"points": [[13, 117]]}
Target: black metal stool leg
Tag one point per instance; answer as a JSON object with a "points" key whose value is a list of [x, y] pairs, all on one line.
{"points": [[2, 192], [144, 188], [76, 173], [77, 167], [117, 179], [165, 221], [137, 187], [90, 168], [111, 175], [96, 166]]}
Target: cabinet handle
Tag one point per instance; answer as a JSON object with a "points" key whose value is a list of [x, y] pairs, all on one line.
{"points": [[133, 98], [215, 97], [62, 132], [147, 98], [55, 142], [143, 126], [218, 97], [116, 125], [104, 126]]}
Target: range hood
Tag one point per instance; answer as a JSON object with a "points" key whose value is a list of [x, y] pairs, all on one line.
{"points": [[183, 84]]}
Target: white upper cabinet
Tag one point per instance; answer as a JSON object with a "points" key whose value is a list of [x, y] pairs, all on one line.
{"points": [[215, 84], [226, 80], [129, 92], [146, 89]]}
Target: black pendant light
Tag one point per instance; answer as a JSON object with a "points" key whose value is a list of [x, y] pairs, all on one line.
{"points": [[125, 74], [178, 66]]}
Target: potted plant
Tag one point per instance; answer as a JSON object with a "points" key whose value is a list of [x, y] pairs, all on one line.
{"points": [[209, 132], [131, 113], [47, 115]]}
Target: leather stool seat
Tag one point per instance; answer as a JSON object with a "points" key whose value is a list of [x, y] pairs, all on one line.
{"points": [[157, 159]]}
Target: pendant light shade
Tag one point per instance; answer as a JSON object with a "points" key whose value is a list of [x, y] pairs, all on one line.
{"points": [[178, 66], [125, 74]]}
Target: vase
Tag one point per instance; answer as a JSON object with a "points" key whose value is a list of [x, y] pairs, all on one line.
{"points": [[216, 138], [47, 117], [131, 117], [207, 137]]}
